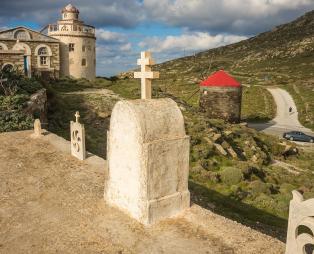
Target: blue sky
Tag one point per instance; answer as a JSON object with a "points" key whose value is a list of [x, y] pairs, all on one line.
{"points": [[169, 28]]}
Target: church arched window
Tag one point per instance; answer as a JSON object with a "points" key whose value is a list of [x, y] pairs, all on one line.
{"points": [[43, 56], [43, 53], [7, 67], [22, 35]]}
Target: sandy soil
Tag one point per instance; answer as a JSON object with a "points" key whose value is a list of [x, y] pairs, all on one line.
{"points": [[53, 203]]}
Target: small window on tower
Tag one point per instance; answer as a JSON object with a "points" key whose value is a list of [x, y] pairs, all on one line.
{"points": [[83, 62], [83, 48], [71, 47]]}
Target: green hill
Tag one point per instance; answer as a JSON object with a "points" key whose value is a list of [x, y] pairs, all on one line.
{"points": [[231, 166], [282, 57]]}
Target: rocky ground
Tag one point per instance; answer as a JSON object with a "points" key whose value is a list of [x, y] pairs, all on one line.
{"points": [[53, 203]]}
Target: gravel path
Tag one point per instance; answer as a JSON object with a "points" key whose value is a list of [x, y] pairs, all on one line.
{"points": [[52, 203]]}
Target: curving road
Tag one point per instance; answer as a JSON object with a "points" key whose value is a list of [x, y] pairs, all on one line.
{"points": [[284, 120]]}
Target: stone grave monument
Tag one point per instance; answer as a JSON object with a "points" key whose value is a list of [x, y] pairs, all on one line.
{"points": [[146, 74], [148, 155], [300, 225], [37, 129], [78, 138]]}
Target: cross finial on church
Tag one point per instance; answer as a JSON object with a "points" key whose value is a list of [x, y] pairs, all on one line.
{"points": [[146, 74], [77, 116]]}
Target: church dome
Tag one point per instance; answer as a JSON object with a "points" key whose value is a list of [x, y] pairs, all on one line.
{"points": [[70, 8]]}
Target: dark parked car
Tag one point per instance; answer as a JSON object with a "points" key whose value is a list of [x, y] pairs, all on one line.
{"points": [[298, 136]]}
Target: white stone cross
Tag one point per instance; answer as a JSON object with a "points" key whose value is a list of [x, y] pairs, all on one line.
{"points": [[146, 74], [77, 116]]}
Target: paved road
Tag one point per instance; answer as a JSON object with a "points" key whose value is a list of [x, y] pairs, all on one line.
{"points": [[284, 120]]}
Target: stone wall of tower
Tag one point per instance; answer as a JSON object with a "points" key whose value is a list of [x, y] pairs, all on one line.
{"points": [[71, 61], [222, 103]]}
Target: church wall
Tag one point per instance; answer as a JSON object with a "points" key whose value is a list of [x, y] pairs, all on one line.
{"points": [[71, 62], [33, 58], [13, 58], [221, 103]]}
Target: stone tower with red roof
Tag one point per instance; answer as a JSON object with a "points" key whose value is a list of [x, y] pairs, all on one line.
{"points": [[221, 97]]}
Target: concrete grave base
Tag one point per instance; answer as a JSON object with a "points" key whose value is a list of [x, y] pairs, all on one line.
{"points": [[148, 158]]}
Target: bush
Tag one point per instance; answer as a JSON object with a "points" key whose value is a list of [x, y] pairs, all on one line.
{"points": [[17, 83], [15, 102], [253, 173], [14, 121], [287, 188], [257, 187], [231, 176], [29, 86]]}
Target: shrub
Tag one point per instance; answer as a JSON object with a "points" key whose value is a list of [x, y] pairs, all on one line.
{"points": [[231, 175], [257, 187], [287, 188], [253, 173], [29, 86], [14, 121], [15, 102]]}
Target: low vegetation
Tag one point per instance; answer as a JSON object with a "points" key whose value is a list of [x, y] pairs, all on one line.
{"points": [[236, 171], [15, 91], [245, 185]]}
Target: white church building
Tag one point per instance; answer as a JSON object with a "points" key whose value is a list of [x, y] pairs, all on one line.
{"points": [[67, 48]]}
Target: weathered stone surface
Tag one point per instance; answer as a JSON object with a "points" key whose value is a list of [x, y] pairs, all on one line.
{"points": [[232, 152], [216, 136], [27, 48], [37, 129], [221, 102], [209, 141], [37, 106], [300, 215], [146, 74], [220, 149], [78, 149], [148, 158]]}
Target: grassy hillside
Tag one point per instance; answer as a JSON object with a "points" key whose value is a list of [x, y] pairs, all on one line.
{"points": [[236, 171], [244, 184], [282, 57]]}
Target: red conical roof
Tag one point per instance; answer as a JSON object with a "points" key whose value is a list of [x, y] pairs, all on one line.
{"points": [[220, 78]]}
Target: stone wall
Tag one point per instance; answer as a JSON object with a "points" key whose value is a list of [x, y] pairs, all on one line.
{"points": [[71, 62], [37, 106], [35, 69], [14, 58], [221, 102]]}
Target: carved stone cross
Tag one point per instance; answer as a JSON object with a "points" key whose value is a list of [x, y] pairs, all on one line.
{"points": [[77, 117], [77, 131], [146, 74]]}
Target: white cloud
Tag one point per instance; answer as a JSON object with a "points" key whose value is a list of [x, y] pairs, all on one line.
{"points": [[109, 36], [121, 13], [126, 47], [194, 41], [233, 16]]}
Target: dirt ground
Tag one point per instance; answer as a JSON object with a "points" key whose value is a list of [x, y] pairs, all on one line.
{"points": [[52, 203]]}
